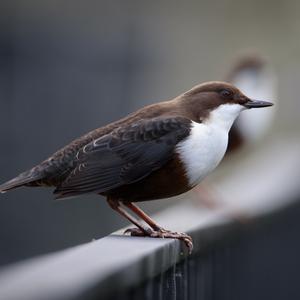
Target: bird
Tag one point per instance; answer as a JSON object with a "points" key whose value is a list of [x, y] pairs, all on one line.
{"points": [[253, 74], [160, 151]]}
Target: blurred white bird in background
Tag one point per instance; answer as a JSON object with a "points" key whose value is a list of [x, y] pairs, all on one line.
{"points": [[255, 76]]}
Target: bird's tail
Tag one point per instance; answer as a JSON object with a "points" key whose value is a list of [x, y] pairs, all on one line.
{"points": [[26, 178]]}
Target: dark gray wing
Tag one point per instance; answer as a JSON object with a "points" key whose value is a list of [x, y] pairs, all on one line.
{"points": [[126, 155]]}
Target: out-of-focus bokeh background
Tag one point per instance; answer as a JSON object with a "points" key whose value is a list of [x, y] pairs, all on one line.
{"points": [[67, 67]]}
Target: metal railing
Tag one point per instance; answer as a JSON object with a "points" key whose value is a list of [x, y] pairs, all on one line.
{"points": [[230, 261], [257, 261]]}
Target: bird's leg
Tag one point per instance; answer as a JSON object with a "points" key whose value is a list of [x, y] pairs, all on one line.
{"points": [[143, 216], [115, 205], [208, 197], [158, 231]]}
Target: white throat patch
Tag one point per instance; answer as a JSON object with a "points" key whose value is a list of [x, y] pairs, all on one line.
{"points": [[224, 115], [205, 147]]}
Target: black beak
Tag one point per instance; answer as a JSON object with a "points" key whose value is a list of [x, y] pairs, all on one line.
{"points": [[257, 104]]}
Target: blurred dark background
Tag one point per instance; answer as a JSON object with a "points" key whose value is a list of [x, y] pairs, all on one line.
{"points": [[67, 67]]}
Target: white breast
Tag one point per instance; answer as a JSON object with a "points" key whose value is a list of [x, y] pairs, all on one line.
{"points": [[205, 147]]}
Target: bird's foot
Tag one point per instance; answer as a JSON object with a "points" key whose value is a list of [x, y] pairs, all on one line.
{"points": [[167, 234], [163, 233]]}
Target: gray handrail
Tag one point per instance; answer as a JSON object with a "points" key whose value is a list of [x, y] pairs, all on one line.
{"points": [[102, 263]]}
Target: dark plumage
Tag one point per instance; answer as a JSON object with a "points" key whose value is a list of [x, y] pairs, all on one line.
{"points": [[125, 156], [138, 158]]}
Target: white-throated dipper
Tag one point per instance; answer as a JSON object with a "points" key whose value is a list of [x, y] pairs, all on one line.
{"points": [[253, 74], [160, 151]]}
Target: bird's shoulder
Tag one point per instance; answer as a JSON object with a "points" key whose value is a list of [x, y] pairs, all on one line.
{"points": [[163, 116], [163, 129], [159, 114]]}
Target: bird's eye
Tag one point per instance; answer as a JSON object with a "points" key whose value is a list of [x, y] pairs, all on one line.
{"points": [[226, 93]]}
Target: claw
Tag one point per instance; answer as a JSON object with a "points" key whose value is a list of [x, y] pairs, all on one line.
{"points": [[163, 233], [177, 235]]}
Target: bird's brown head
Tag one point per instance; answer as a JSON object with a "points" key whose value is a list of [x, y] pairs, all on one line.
{"points": [[216, 95]]}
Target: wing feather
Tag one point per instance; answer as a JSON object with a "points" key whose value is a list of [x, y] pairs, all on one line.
{"points": [[126, 155]]}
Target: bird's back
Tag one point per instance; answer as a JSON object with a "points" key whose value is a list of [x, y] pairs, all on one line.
{"points": [[53, 170]]}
